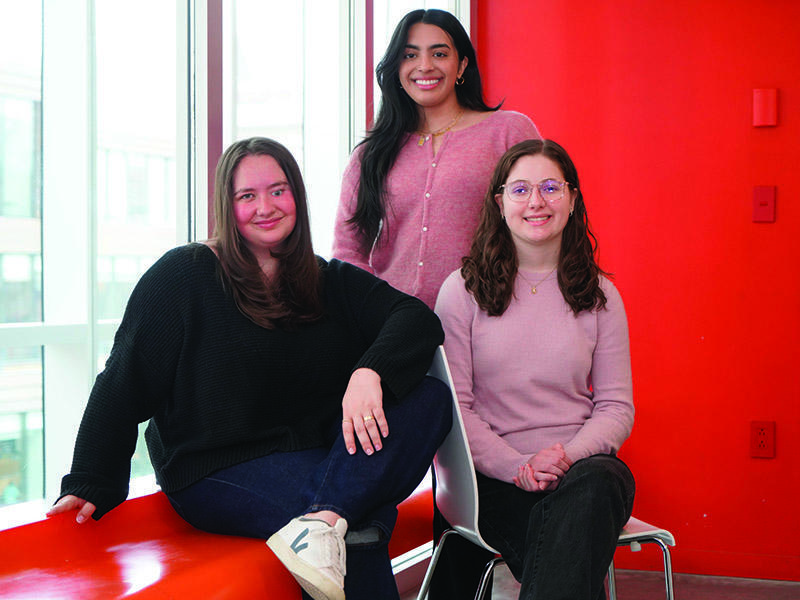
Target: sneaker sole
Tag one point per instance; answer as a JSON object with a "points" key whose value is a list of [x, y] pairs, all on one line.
{"points": [[318, 586]]}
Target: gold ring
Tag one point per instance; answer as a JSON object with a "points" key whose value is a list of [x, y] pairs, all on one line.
{"points": [[347, 421], [369, 418]]}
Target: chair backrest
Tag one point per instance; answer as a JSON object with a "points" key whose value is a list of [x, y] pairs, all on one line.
{"points": [[456, 486]]}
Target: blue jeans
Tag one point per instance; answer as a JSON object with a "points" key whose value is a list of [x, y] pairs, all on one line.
{"points": [[258, 497], [559, 544]]}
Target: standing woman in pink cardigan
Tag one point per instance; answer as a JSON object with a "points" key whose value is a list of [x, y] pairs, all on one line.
{"points": [[412, 191], [537, 341]]}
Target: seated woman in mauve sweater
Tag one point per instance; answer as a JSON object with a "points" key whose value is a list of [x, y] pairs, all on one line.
{"points": [[271, 380], [537, 341]]}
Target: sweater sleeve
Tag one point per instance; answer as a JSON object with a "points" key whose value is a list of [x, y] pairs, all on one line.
{"points": [[611, 420], [136, 378], [520, 127], [456, 307], [346, 245], [400, 331]]}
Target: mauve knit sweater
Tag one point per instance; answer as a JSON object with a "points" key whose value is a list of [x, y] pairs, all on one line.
{"points": [[537, 374], [433, 204], [220, 390]]}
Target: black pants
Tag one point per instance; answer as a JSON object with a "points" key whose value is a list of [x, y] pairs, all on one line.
{"points": [[559, 544]]}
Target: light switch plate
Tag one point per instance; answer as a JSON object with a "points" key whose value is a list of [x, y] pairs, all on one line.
{"points": [[764, 204], [765, 107]]}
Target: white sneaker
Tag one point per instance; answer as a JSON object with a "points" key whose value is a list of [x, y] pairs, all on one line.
{"points": [[314, 554]]}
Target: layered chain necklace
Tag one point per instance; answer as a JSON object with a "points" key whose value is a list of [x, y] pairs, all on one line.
{"points": [[424, 135], [534, 285]]}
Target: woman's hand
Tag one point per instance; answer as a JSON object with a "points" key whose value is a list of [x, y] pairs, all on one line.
{"points": [[362, 412], [85, 509], [526, 479], [544, 470]]}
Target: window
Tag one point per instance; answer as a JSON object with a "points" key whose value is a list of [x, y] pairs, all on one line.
{"points": [[104, 121], [88, 200], [21, 433]]}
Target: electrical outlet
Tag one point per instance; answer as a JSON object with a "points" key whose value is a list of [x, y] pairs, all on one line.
{"points": [[762, 439]]}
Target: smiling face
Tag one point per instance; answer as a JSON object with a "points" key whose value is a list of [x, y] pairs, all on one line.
{"points": [[263, 205], [536, 225], [430, 67]]}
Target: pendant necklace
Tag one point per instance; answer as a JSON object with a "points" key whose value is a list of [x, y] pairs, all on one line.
{"points": [[533, 285], [424, 135]]}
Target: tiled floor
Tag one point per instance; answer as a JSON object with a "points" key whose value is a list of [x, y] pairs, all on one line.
{"points": [[645, 585]]}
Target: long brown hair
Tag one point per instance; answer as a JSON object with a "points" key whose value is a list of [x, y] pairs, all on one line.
{"points": [[491, 267], [293, 295]]}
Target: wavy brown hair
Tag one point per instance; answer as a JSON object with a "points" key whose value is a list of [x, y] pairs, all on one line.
{"points": [[491, 267], [293, 295]]}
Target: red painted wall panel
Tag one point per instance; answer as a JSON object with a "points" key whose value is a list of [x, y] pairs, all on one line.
{"points": [[653, 100]]}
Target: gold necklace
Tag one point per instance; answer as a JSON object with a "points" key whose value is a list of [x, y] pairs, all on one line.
{"points": [[533, 285], [438, 132]]}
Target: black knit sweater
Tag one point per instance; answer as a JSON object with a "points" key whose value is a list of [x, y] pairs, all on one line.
{"points": [[219, 389]]}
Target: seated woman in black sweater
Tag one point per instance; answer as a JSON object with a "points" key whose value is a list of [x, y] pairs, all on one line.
{"points": [[271, 379]]}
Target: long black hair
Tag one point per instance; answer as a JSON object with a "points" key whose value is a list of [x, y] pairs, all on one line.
{"points": [[398, 116]]}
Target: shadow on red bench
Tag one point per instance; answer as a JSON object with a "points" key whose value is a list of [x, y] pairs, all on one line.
{"points": [[144, 550]]}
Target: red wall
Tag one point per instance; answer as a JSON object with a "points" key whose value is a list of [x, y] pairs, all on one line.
{"points": [[653, 100]]}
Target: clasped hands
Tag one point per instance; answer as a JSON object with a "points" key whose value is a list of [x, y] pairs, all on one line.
{"points": [[362, 412], [543, 471]]}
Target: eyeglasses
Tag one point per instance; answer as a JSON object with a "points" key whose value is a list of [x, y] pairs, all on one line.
{"points": [[550, 190]]}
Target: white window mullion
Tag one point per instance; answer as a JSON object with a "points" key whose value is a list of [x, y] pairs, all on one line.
{"points": [[205, 116], [186, 221], [356, 72]]}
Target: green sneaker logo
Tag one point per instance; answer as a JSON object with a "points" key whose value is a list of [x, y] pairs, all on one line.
{"points": [[296, 545]]}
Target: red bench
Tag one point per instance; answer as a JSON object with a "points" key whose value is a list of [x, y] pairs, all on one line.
{"points": [[144, 550]]}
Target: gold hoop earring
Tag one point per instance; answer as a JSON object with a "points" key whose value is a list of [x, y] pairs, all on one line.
{"points": [[460, 80]]}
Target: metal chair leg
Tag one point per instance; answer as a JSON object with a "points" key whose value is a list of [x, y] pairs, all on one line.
{"points": [[612, 581], [668, 583], [667, 568], [426, 582], [488, 571]]}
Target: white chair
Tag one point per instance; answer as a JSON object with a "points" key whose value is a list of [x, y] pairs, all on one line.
{"points": [[456, 486], [457, 499]]}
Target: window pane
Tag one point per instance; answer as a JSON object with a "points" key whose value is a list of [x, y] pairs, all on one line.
{"points": [[21, 464], [21, 441], [137, 217], [136, 145], [268, 88], [20, 159]]}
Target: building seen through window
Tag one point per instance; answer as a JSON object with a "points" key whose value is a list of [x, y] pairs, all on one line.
{"points": [[20, 250]]}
